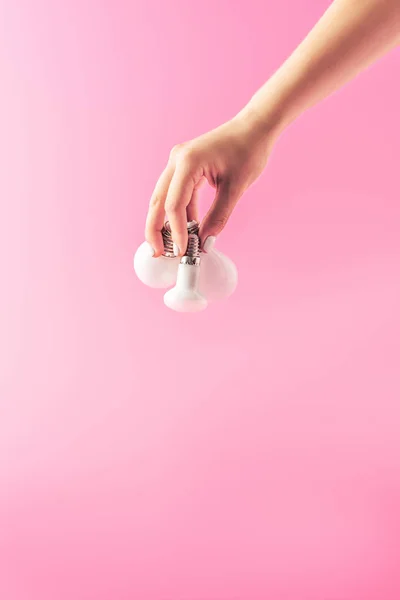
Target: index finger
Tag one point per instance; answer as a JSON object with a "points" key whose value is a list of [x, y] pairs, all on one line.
{"points": [[156, 213], [178, 197]]}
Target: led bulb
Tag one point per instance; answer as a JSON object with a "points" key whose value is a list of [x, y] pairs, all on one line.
{"points": [[218, 276], [185, 297], [158, 272], [200, 277]]}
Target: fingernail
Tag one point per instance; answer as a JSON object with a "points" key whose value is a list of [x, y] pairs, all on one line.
{"points": [[209, 243], [176, 250], [151, 249]]}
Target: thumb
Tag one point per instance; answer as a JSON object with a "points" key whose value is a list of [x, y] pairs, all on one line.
{"points": [[225, 200]]}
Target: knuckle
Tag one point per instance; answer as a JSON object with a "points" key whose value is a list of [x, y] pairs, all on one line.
{"points": [[183, 155], [155, 201], [186, 159], [172, 207], [175, 152], [188, 156]]}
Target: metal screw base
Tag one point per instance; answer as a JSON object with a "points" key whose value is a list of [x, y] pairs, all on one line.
{"points": [[192, 254]]}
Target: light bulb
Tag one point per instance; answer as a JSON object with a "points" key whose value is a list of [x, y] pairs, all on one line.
{"points": [[185, 297], [196, 285], [159, 272], [218, 276], [155, 272]]}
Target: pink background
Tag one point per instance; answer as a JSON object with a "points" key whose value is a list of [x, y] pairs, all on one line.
{"points": [[246, 453]]}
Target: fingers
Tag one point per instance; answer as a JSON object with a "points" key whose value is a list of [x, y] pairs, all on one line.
{"points": [[177, 194], [192, 210], [178, 198], [156, 213], [227, 197]]}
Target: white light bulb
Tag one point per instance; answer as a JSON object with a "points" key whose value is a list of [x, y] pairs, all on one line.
{"points": [[200, 277], [158, 272], [185, 297], [218, 275]]}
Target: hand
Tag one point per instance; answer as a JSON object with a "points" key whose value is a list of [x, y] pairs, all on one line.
{"points": [[350, 36], [230, 158]]}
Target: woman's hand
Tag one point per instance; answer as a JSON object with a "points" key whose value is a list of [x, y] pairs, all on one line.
{"points": [[230, 158], [350, 36]]}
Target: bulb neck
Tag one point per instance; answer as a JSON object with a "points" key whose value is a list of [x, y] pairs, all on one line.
{"points": [[188, 275], [194, 261]]}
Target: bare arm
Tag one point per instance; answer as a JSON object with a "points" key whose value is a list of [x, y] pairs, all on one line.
{"points": [[350, 36]]}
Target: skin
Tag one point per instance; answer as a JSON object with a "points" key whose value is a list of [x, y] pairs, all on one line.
{"points": [[350, 36]]}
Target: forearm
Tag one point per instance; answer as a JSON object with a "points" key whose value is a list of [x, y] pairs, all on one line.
{"points": [[350, 36]]}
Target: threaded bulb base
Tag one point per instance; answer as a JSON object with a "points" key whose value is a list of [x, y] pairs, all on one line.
{"points": [[192, 227]]}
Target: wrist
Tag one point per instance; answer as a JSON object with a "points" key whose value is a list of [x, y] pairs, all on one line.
{"points": [[261, 123]]}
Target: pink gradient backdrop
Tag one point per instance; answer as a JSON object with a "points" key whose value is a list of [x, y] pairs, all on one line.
{"points": [[246, 453]]}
